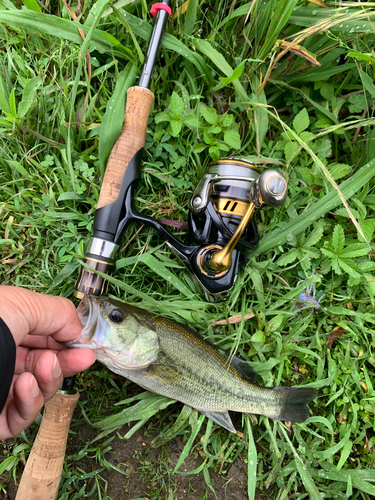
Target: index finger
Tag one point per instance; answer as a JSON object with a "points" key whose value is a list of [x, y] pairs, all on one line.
{"points": [[26, 312]]}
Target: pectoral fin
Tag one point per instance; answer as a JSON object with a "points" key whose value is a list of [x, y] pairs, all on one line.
{"points": [[243, 368], [221, 418]]}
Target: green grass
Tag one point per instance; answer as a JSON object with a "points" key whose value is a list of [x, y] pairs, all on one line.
{"points": [[314, 123]]}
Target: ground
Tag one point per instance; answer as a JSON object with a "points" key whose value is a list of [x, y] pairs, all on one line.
{"points": [[148, 471]]}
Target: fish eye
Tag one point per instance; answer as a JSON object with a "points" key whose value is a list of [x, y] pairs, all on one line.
{"points": [[116, 316]]}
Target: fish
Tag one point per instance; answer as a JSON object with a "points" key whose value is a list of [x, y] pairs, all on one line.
{"points": [[170, 359]]}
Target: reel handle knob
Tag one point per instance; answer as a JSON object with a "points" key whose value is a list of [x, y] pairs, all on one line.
{"points": [[270, 189]]}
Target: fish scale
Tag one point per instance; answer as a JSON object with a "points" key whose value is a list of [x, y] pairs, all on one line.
{"points": [[171, 359]]}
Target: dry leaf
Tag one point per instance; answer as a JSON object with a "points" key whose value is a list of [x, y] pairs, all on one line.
{"points": [[363, 385], [337, 332], [294, 48], [180, 224], [319, 3], [181, 10], [232, 320]]}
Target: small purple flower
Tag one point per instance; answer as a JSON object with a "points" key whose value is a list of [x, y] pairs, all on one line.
{"points": [[307, 297]]}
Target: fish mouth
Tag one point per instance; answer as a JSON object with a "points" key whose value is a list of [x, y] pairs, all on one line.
{"points": [[87, 312]]}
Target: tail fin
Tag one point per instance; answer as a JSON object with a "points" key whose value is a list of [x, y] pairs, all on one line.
{"points": [[294, 403]]}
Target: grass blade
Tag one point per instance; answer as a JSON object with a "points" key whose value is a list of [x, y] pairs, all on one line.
{"points": [[330, 201], [302, 470], [189, 444], [113, 118], [64, 29], [251, 462]]}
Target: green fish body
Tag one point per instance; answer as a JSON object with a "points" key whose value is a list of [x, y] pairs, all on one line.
{"points": [[170, 359]]}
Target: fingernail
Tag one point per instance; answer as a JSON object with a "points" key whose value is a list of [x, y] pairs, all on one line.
{"points": [[56, 370], [33, 388]]}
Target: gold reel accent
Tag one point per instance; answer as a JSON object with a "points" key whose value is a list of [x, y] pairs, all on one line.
{"points": [[222, 260], [230, 206]]}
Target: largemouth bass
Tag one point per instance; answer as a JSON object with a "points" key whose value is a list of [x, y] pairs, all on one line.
{"points": [[170, 359]]}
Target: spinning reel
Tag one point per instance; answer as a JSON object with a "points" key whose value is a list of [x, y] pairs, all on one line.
{"points": [[222, 206], [221, 209]]}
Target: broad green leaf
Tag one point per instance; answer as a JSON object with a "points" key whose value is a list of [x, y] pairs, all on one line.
{"points": [[301, 121], [338, 239], [174, 127], [251, 462], [233, 139], [315, 236], [227, 120], [327, 90], [367, 82], [32, 5], [210, 115], [357, 103], [28, 96], [9, 463], [214, 153], [176, 105], [12, 103], [345, 452], [290, 150], [191, 15], [288, 257], [237, 72], [355, 250], [360, 207], [322, 147], [350, 267], [339, 170], [368, 227], [162, 117], [363, 57]]}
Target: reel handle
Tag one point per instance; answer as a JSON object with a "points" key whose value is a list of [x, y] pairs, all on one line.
{"points": [[270, 189]]}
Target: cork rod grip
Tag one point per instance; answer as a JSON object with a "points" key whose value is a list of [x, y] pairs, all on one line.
{"points": [[132, 138], [42, 475]]}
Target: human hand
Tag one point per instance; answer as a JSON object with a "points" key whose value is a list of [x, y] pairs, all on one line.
{"points": [[36, 322]]}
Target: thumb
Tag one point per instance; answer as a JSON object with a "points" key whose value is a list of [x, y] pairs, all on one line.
{"points": [[26, 404]]}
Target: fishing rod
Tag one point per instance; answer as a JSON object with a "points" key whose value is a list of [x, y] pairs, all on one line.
{"points": [[42, 474]]}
